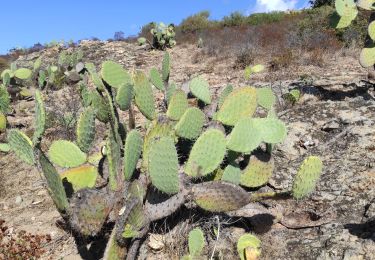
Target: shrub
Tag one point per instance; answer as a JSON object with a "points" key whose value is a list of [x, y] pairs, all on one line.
{"points": [[234, 19], [194, 23]]}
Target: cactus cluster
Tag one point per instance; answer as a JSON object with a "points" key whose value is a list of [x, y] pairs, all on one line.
{"points": [[346, 12], [163, 36], [184, 154]]}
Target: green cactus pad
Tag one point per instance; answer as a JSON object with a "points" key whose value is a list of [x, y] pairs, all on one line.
{"points": [[156, 79], [245, 136], [21, 145], [55, 186], [257, 173], [7, 71], [135, 221], [257, 68], [3, 122], [223, 95], [366, 4], [4, 147], [240, 103], [232, 174], [6, 79], [199, 88], [125, 94], [163, 165], [177, 105], [114, 74], [248, 241], [272, 130], [113, 149], [37, 64], [94, 76], [101, 107], [144, 97], [191, 124], [4, 100], [307, 176], [367, 57], [86, 129], [40, 117], [196, 242], [171, 89], [66, 154], [346, 8], [166, 67], [159, 128], [81, 177], [132, 152], [265, 97], [207, 153], [217, 196], [23, 73], [371, 30]]}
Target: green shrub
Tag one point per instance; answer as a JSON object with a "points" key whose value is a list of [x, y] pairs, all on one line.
{"points": [[196, 22]]}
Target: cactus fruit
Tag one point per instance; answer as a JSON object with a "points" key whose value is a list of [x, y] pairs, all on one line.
{"points": [[207, 153], [23, 73], [125, 94], [191, 123], [257, 173], [55, 186], [86, 129], [21, 145], [40, 118], [166, 67], [196, 242], [217, 196], [200, 89], [132, 152], [177, 105], [155, 79], [66, 154], [265, 97], [4, 100], [81, 177], [232, 174], [307, 176], [245, 136], [163, 165], [114, 74], [144, 97], [3, 122], [248, 245], [223, 95], [240, 103]]}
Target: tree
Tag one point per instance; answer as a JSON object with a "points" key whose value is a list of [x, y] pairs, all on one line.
{"points": [[119, 36], [319, 3]]}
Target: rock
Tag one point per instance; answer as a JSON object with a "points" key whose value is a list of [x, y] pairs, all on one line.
{"points": [[156, 242], [18, 200]]}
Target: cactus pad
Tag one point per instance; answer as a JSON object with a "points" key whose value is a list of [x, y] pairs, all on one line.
{"points": [[191, 123], [55, 186], [4, 147], [66, 154], [240, 103], [132, 152], [4, 99], [196, 242], [207, 153], [272, 130], [21, 145], [257, 173], [199, 88], [223, 95], [371, 30], [144, 97], [40, 117], [367, 56], [265, 97], [177, 105], [163, 165], [86, 129], [232, 174], [217, 196], [81, 177], [245, 136], [307, 176], [171, 89], [101, 106], [346, 8], [23, 73], [246, 243], [3, 122], [114, 74], [166, 67], [114, 156], [156, 79], [125, 94]]}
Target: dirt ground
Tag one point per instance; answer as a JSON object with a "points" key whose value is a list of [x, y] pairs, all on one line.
{"points": [[334, 119]]}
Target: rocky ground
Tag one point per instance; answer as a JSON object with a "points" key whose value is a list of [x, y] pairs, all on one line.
{"points": [[334, 119]]}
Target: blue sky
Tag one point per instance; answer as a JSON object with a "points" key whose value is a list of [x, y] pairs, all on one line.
{"points": [[27, 22]]}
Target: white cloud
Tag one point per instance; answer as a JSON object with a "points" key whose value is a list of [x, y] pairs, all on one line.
{"points": [[263, 6]]}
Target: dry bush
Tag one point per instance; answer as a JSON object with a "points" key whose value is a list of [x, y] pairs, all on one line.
{"points": [[3, 64], [282, 61]]}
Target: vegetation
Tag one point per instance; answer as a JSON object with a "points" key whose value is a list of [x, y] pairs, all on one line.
{"points": [[186, 153]]}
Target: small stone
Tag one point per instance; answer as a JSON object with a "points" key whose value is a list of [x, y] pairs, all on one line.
{"points": [[156, 242], [18, 199]]}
